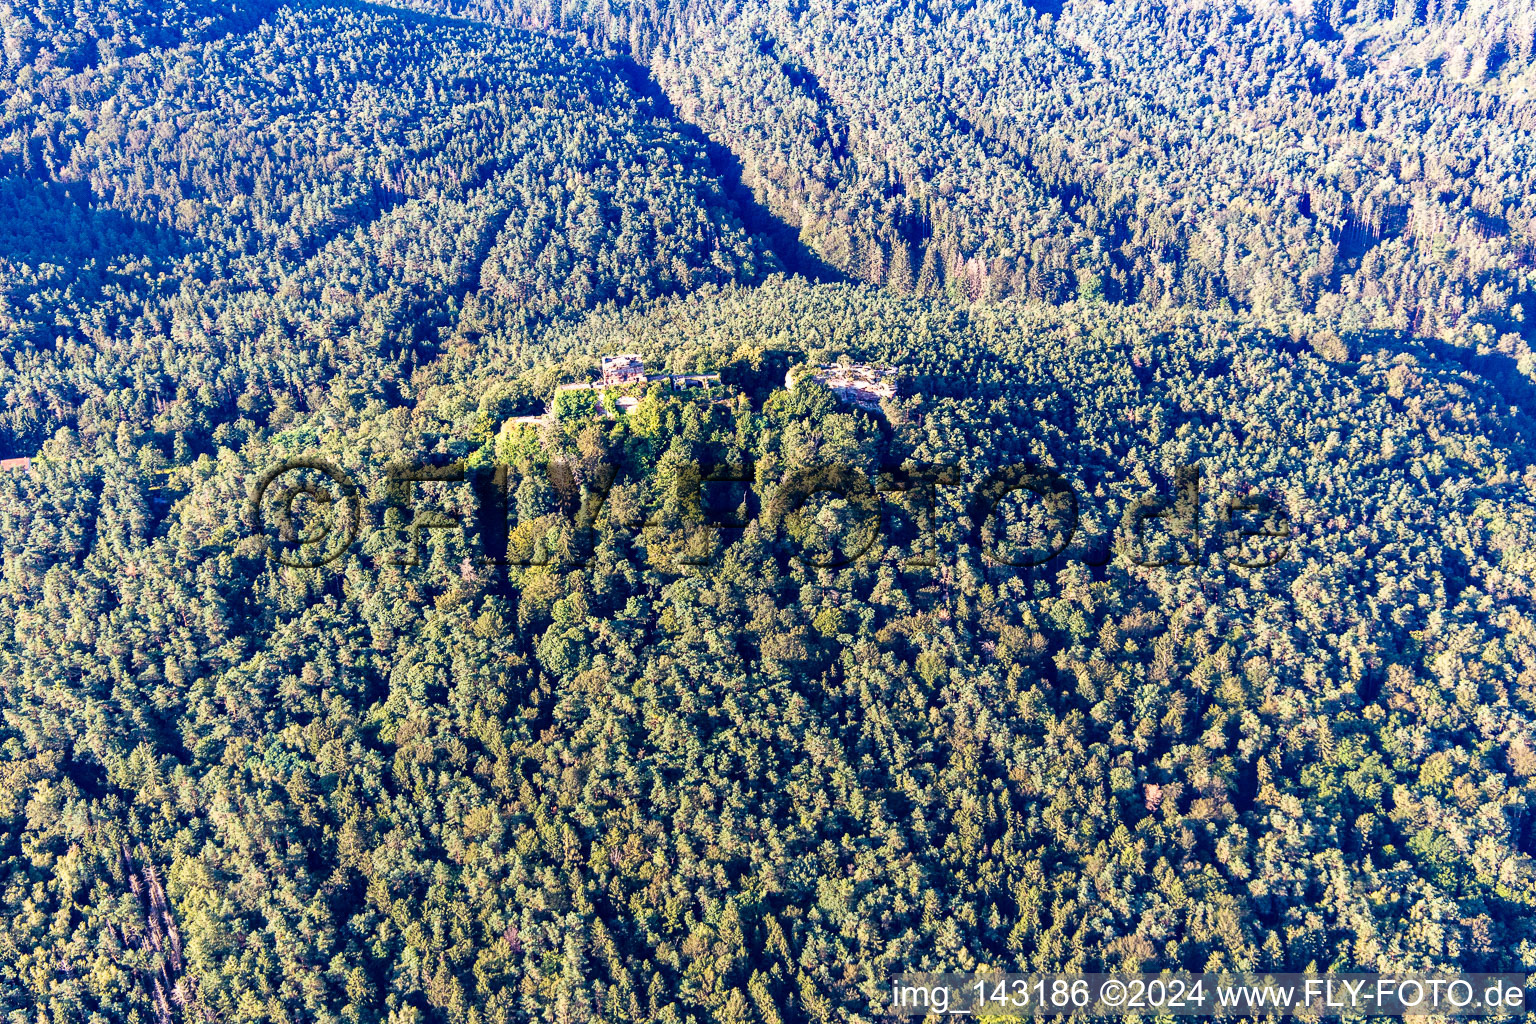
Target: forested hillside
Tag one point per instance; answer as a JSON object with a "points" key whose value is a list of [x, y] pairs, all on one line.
{"points": [[750, 790], [546, 739], [198, 234], [1338, 157]]}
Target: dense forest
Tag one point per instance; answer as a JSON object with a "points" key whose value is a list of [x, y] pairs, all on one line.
{"points": [[1365, 162], [562, 728]]}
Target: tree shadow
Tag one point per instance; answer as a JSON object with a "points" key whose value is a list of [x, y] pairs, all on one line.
{"points": [[60, 255], [1497, 371], [75, 39], [781, 237], [49, 222]]}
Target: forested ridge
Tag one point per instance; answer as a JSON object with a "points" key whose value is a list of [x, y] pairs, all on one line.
{"points": [[575, 753], [1366, 161], [329, 195]]}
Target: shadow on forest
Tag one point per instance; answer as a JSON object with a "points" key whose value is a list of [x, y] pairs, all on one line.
{"points": [[55, 246], [82, 42], [782, 238], [1497, 371], [47, 222]]}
